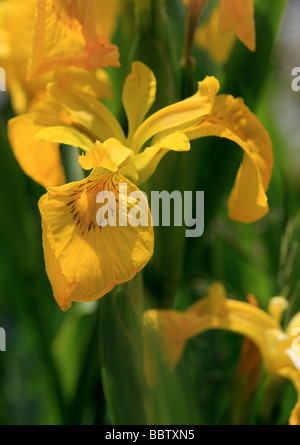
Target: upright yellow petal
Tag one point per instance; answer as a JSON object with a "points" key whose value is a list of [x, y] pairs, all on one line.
{"points": [[231, 119], [85, 259], [138, 95], [66, 34], [238, 16]]}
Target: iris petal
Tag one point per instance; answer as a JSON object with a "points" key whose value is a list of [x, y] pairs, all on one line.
{"points": [[85, 260]]}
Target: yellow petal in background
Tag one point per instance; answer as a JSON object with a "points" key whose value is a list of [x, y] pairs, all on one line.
{"points": [[66, 34], [238, 16], [39, 160], [17, 19], [231, 119], [138, 95], [97, 83], [107, 14], [207, 37], [84, 260], [5, 37], [212, 312]]}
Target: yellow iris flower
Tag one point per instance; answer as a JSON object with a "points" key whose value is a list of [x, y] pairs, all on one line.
{"points": [[38, 37], [69, 34], [84, 263], [280, 350]]}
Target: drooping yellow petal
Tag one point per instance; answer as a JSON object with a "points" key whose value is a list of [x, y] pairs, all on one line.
{"points": [[238, 16], [231, 119], [66, 34], [86, 258], [207, 37], [109, 155], [248, 201], [147, 161], [138, 95], [39, 160], [178, 114], [89, 113]]}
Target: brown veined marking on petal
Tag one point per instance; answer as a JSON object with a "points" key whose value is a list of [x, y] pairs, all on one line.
{"points": [[84, 215]]}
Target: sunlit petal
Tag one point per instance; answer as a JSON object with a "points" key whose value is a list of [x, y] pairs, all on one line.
{"points": [[138, 95], [84, 259]]}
